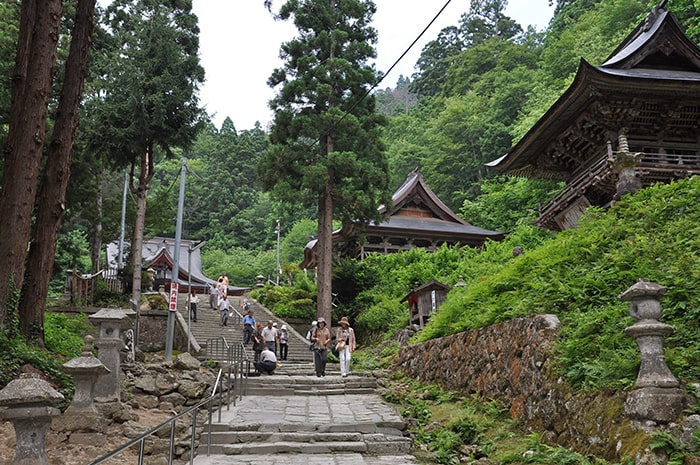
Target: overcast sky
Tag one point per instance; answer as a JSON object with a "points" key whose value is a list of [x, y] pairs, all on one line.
{"points": [[240, 42]]}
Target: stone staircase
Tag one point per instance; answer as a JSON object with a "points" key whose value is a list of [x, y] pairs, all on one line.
{"points": [[299, 379], [207, 327], [295, 413]]}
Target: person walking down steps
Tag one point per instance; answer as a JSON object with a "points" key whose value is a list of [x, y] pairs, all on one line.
{"points": [[345, 345], [321, 337], [284, 342], [194, 300], [248, 326], [223, 311]]}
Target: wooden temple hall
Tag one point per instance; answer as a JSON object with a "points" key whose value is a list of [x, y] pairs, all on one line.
{"points": [[628, 123], [417, 218]]}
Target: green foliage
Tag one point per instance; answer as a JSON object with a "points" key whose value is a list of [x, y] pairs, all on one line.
{"points": [[332, 140], [577, 276], [541, 453], [64, 334], [504, 202], [16, 353], [157, 302], [665, 442], [71, 253], [287, 302], [105, 298], [455, 429]]}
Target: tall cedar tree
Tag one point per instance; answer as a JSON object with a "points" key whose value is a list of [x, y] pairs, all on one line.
{"points": [[31, 89], [52, 193], [326, 150], [150, 81]]}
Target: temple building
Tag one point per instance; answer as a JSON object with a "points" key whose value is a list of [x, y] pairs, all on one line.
{"points": [[158, 257], [621, 126], [417, 218]]}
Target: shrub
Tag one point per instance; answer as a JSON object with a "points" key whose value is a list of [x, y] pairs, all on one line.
{"points": [[64, 334]]}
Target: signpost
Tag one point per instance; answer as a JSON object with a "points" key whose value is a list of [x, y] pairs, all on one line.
{"points": [[173, 296]]}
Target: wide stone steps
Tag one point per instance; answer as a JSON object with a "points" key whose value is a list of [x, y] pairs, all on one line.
{"points": [[308, 426], [287, 438], [283, 385], [207, 327]]}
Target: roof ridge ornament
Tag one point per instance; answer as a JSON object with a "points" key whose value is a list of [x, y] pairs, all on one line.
{"points": [[651, 17]]}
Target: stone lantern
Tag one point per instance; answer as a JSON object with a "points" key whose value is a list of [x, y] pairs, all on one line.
{"points": [[81, 420], [85, 369], [110, 322], [29, 401], [260, 280], [657, 395]]}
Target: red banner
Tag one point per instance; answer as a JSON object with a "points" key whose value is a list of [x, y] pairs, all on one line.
{"points": [[173, 297]]}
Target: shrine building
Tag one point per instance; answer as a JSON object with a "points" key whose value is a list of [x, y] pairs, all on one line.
{"points": [[621, 126]]}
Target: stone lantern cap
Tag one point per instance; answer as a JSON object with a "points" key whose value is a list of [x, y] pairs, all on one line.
{"points": [[86, 362], [109, 314], [642, 288], [29, 388]]}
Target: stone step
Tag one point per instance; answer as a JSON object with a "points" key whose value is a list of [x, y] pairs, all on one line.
{"points": [[255, 442], [383, 447]]}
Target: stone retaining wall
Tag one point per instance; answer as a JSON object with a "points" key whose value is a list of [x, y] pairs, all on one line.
{"points": [[511, 362]]}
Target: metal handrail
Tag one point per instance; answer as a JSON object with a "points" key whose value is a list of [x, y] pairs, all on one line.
{"points": [[141, 439]]}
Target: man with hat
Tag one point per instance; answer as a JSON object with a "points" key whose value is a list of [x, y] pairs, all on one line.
{"points": [[321, 337], [248, 326]]}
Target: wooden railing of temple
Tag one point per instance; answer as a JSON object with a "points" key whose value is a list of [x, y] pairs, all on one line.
{"points": [[652, 168]]}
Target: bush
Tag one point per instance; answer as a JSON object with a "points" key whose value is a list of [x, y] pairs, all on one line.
{"points": [[64, 334], [578, 274], [157, 302]]}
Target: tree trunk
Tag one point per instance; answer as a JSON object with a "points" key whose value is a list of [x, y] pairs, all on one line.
{"points": [[31, 88], [141, 192], [325, 255], [96, 233], [325, 246], [52, 195]]}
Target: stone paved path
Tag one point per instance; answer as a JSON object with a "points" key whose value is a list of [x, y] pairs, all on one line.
{"points": [[358, 413]]}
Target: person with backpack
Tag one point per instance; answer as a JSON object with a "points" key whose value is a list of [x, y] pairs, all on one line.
{"points": [[309, 333]]}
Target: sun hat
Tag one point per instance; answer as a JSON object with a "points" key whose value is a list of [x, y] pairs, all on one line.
{"points": [[274, 324], [314, 323], [344, 320], [284, 327], [322, 320]]}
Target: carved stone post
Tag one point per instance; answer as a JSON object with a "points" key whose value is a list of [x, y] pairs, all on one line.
{"points": [[110, 321], [28, 400], [624, 163], [657, 395]]}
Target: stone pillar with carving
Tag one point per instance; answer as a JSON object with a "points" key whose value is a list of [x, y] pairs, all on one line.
{"points": [[624, 163], [110, 321], [657, 395], [30, 406]]}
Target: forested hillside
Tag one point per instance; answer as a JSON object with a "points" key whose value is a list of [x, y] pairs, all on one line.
{"points": [[478, 87]]}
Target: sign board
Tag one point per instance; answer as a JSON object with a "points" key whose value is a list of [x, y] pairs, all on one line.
{"points": [[173, 297]]}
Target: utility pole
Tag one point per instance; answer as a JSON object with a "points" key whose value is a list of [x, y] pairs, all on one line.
{"points": [[120, 259], [279, 268], [175, 278], [190, 249]]}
